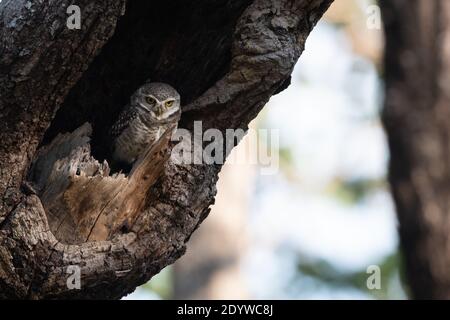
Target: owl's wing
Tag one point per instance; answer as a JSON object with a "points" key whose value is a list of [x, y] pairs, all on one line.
{"points": [[125, 118]]}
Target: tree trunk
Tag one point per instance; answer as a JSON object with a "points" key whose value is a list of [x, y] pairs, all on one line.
{"points": [[227, 58], [417, 120]]}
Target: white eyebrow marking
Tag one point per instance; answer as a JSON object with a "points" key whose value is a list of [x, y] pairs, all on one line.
{"points": [[143, 106], [166, 115], [152, 96]]}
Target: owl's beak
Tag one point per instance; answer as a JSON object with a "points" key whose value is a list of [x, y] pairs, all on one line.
{"points": [[159, 110]]}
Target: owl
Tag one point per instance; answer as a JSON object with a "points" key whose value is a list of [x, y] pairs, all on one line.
{"points": [[153, 109]]}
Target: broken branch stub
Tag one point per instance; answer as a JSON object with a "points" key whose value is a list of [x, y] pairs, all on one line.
{"points": [[82, 201]]}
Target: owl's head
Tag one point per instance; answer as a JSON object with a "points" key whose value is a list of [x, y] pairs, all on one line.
{"points": [[157, 100]]}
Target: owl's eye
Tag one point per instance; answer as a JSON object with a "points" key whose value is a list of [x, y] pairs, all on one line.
{"points": [[169, 103], [149, 100]]}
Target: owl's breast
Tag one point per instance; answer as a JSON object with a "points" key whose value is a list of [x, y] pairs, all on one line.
{"points": [[134, 141]]}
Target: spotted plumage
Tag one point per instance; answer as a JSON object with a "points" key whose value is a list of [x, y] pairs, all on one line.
{"points": [[153, 109]]}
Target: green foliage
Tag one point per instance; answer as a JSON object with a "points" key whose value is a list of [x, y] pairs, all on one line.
{"points": [[161, 284], [355, 191], [327, 274]]}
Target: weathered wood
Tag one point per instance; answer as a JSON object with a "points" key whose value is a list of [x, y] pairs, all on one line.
{"points": [[227, 58], [83, 203], [40, 60]]}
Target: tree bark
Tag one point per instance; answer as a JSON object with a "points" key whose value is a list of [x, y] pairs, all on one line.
{"points": [[417, 120], [227, 58]]}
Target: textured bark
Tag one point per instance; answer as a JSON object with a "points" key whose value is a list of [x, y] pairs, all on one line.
{"points": [[227, 58], [417, 120], [82, 200]]}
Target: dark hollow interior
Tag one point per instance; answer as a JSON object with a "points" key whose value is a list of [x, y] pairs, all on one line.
{"points": [[184, 43]]}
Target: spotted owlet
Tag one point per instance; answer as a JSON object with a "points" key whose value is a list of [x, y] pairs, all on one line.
{"points": [[154, 108]]}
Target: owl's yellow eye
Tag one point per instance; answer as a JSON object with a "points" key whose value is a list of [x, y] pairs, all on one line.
{"points": [[169, 104], [149, 100]]}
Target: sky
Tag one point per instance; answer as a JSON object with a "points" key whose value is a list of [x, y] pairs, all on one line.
{"points": [[328, 118]]}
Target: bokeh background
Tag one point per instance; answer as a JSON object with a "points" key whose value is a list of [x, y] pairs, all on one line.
{"points": [[311, 230]]}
